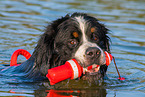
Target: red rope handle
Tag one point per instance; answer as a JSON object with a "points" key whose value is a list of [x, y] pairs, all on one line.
{"points": [[18, 52]]}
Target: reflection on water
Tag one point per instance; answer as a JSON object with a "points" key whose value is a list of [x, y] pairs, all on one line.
{"points": [[22, 21]]}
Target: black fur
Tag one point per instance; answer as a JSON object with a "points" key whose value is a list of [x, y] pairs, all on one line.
{"points": [[53, 48]]}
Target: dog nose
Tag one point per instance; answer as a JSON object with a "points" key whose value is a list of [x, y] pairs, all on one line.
{"points": [[93, 52]]}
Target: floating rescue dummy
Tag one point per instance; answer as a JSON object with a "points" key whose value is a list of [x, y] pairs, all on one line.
{"points": [[71, 70]]}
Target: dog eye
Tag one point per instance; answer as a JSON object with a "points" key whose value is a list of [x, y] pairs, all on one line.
{"points": [[95, 37], [72, 42]]}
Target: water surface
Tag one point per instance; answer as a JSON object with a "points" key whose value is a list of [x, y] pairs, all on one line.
{"points": [[23, 21]]}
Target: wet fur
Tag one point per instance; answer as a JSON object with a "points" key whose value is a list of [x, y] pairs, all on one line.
{"points": [[49, 51]]}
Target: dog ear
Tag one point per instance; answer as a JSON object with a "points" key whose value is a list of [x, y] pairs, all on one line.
{"points": [[107, 44], [45, 47], [106, 39], [104, 42]]}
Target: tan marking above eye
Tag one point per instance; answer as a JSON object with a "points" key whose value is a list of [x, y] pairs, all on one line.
{"points": [[93, 29], [75, 34]]}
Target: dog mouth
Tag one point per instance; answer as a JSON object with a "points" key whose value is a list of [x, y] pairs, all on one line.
{"points": [[91, 70], [92, 74]]}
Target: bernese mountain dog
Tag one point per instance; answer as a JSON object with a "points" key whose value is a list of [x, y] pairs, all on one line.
{"points": [[78, 36]]}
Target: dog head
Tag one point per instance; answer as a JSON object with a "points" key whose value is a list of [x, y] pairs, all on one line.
{"points": [[78, 36]]}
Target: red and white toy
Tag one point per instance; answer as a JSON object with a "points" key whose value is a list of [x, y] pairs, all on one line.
{"points": [[71, 69]]}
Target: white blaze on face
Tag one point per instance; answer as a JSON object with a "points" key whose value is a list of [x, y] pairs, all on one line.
{"points": [[83, 25], [80, 53]]}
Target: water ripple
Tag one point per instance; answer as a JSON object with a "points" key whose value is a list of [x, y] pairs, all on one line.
{"points": [[22, 22]]}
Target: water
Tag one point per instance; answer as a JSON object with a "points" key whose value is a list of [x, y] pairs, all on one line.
{"points": [[22, 21]]}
